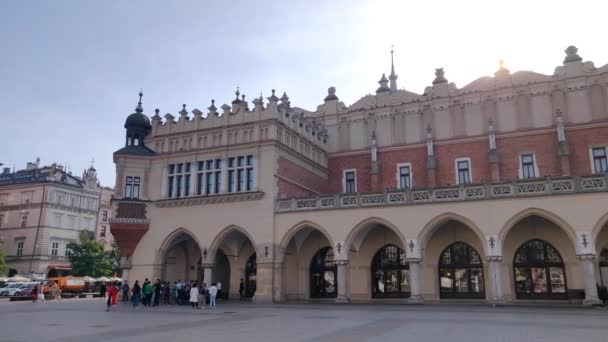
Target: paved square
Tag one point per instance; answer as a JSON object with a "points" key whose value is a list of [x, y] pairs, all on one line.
{"points": [[86, 320]]}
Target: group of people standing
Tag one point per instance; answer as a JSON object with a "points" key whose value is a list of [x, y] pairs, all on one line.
{"points": [[153, 294], [38, 293]]}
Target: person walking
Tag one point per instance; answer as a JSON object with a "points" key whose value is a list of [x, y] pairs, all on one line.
{"points": [[242, 290], [212, 294], [41, 293], [102, 290], [201, 295], [148, 290], [54, 291], [112, 296], [157, 291], [35, 294], [219, 289], [194, 296], [136, 293], [167, 293], [125, 292]]}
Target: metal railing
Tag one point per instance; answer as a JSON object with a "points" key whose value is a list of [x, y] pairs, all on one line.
{"points": [[519, 188]]}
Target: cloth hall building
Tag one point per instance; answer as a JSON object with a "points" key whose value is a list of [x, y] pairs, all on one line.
{"points": [[495, 191]]}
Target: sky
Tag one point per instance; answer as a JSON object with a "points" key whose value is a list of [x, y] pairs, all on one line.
{"points": [[70, 71]]}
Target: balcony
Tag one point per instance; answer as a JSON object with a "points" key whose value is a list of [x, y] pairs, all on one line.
{"points": [[516, 189]]}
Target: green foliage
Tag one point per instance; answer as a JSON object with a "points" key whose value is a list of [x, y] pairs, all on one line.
{"points": [[2, 262], [115, 259], [89, 258]]}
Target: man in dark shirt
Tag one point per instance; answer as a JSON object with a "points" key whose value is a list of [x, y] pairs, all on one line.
{"points": [[157, 288]]}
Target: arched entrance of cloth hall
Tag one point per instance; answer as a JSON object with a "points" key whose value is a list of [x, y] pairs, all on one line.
{"points": [[539, 257], [181, 257], [309, 267], [377, 266], [229, 260], [453, 261]]}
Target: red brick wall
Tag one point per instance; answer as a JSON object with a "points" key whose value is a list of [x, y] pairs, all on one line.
{"points": [[359, 162], [580, 142], [304, 180], [544, 147]]}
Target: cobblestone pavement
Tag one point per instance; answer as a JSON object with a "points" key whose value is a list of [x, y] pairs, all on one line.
{"points": [[86, 320]]}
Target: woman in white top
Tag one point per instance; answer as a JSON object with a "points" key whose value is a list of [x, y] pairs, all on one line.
{"points": [[194, 296], [212, 293]]}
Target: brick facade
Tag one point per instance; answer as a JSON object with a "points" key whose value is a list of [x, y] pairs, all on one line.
{"points": [[297, 181]]}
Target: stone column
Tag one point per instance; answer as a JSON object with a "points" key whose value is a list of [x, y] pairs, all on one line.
{"points": [[342, 280], [277, 287], [208, 274], [264, 281], [415, 296], [563, 151], [495, 273], [588, 268], [494, 161]]}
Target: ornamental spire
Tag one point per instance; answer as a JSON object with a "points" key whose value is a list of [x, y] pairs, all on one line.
{"points": [[139, 108], [393, 76]]}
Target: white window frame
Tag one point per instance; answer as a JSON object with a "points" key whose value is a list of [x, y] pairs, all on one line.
{"points": [[55, 248], [591, 161], [344, 172], [467, 159], [398, 175], [19, 249], [521, 165]]}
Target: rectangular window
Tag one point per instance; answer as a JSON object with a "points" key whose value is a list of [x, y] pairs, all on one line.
{"points": [[200, 181], [170, 191], [68, 251], [54, 248], [102, 232], [463, 171], [187, 185], [209, 176], [20, 247], [1, 220], [209, 183], [240, 173], [132, 186], [350, 181], [104, 216], [23, 221], [600, 162], [178, 187], [527, 166], [404, 176]]}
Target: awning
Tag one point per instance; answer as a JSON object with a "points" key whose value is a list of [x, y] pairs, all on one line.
{"points": [[60, 267]]}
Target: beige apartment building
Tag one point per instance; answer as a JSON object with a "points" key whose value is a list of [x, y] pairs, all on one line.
{"points": [[494, 191], [43, 209]]}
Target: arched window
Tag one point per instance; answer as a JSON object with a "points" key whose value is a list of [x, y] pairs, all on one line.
{"points": [[251, 270], [539, 271], [603, 261], [460, 272], [390, 273], [323, 271]]}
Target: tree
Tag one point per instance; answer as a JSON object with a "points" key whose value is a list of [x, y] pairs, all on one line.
{"points": [[115, 259], [89, 258], [2, 262]]}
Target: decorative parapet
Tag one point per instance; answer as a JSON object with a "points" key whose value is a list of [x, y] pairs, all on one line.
{"points": [[520, 188], [211, 199], [124, 220]]}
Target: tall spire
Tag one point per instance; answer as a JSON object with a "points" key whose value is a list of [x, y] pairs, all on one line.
{"points": [[393, 76], [139, 108]]}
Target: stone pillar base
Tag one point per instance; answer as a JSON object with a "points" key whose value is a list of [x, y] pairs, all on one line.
{"points": [[261, 299], [342, 300], [592, 302], [415, 300]]}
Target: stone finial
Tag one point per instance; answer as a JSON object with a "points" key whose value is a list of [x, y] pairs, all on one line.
{"points": [[331, 94], [383, 85], [212, 108], [156, 115], [284, 98], [572, 55], [502, 71], [393, 77], [183, 112], [237, 93], [225, 107], [273, 97], [439, 76]]}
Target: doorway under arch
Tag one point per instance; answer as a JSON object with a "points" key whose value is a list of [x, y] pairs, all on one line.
{"points": [[390, 273], [539, 271], [461, 272], [181, 258], [323, 274], [251, 271]]}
